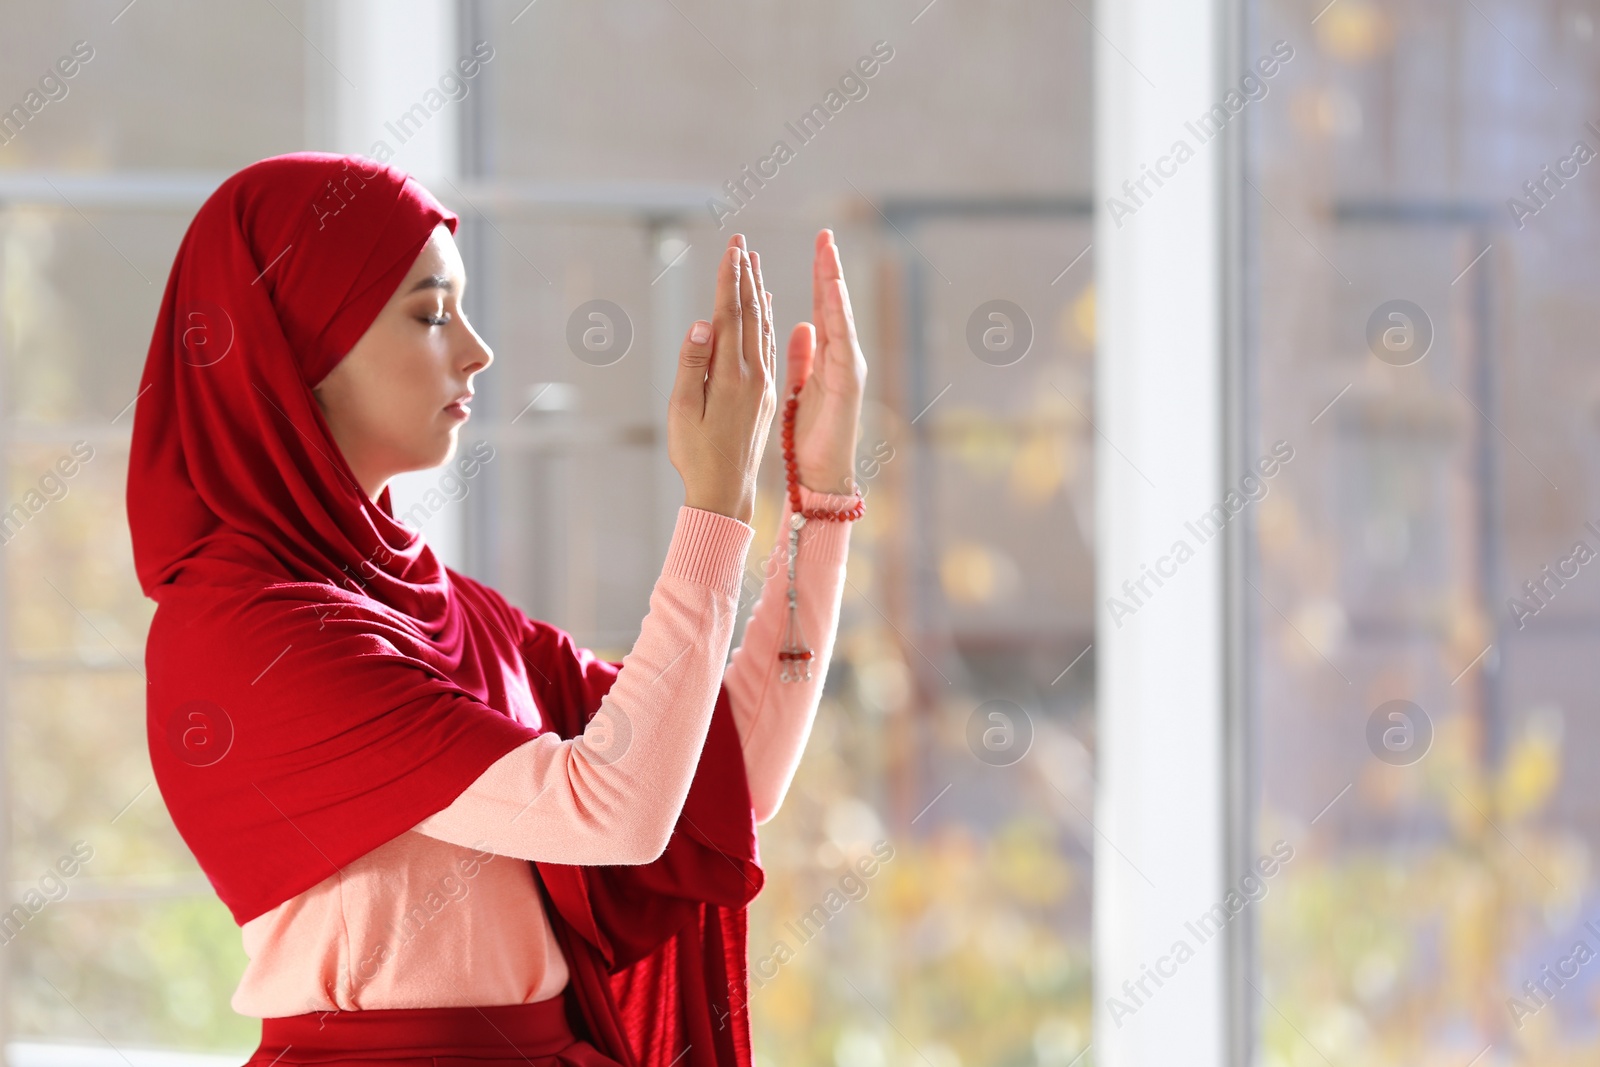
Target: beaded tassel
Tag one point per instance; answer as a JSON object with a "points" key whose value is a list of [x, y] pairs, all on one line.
{"points": [[795, 654]]}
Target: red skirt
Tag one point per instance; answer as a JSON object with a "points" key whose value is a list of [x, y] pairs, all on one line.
{"points": [[502, 1035]]}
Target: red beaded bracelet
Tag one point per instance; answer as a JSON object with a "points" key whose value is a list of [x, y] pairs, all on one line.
{"points": [[795, 654]]}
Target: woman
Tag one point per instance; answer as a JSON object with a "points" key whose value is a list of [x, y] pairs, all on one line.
{"points": [[446, 832]]}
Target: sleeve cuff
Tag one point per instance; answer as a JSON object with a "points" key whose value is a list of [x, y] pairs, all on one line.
{"points": [[820, 540], [709, 548]]}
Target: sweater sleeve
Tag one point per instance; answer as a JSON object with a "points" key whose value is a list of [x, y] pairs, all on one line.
{"points": [[774, 717], [613, 794]]}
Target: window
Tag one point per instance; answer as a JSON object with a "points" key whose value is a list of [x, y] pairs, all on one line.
{"points": [[598, 162], [1422, 256]]}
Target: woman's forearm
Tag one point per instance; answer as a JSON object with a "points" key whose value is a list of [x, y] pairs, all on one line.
{"points": [[613, 795], [774, 717]]}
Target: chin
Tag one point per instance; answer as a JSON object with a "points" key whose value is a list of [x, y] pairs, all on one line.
{"points": [[447, 449], [436, 454]]}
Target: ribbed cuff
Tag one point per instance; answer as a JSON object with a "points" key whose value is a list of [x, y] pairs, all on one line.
{"points": [[823, 540], [709, 547]]}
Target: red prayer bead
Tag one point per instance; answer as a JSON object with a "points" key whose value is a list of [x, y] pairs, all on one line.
{"points": [[791, 468]]}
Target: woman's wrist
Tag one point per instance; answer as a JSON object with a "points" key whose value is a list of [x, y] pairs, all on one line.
{"points": [[834, 481], [742, 508], [823, 542]]}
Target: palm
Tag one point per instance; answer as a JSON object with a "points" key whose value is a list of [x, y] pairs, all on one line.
{"points": [[826, 358]]}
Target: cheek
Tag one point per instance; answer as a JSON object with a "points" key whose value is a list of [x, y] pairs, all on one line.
{"points": [[402, 386], [394, 397]]}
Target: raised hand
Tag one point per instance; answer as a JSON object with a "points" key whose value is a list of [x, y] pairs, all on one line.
{"points": [[825, 361], [725, 393]]}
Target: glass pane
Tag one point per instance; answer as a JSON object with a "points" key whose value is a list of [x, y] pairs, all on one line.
{"points": [[114, 932], [156, 87], [1423, 617]]}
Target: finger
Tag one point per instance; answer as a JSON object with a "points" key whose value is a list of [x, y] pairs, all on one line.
{"points": [[840, 317], [749, 316], [819, 279], [772, 341], [689, 387], [839, 323], [728, 316], [764, 305], [802, 351]]}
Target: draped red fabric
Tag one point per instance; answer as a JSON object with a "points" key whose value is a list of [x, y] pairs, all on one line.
{"points": [[318, 681]]}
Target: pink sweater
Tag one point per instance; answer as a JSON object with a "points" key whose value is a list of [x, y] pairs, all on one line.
{"points": [[447, 914]]}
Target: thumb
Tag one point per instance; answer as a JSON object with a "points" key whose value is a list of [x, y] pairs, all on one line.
{"points": [[694, 359], [802, 355]]}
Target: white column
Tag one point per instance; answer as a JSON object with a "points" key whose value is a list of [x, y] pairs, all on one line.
{"points": [[374, 70], [1159, 401]]}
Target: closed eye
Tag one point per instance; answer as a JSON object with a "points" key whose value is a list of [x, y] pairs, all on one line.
{"points": [[441, 319]]}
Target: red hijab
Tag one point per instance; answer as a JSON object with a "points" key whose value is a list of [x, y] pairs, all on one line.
{"points": [[319, 682]]}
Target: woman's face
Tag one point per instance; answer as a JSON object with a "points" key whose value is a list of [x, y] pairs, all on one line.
{"points": [[390, 401]]}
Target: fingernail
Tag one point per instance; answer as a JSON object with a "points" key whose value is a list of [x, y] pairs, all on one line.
{"points": [[700, 332], [755, 260]]}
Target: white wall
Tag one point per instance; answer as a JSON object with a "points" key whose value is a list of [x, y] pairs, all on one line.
{"points": [[1159, 806]]}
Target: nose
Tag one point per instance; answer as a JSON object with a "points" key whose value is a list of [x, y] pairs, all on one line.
{"points": [[476, 355]]}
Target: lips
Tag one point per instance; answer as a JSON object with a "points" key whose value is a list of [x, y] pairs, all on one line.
{"points": [[459, 406]]}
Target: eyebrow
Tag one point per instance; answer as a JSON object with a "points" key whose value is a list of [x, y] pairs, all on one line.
{"points": [[432, 281]]}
